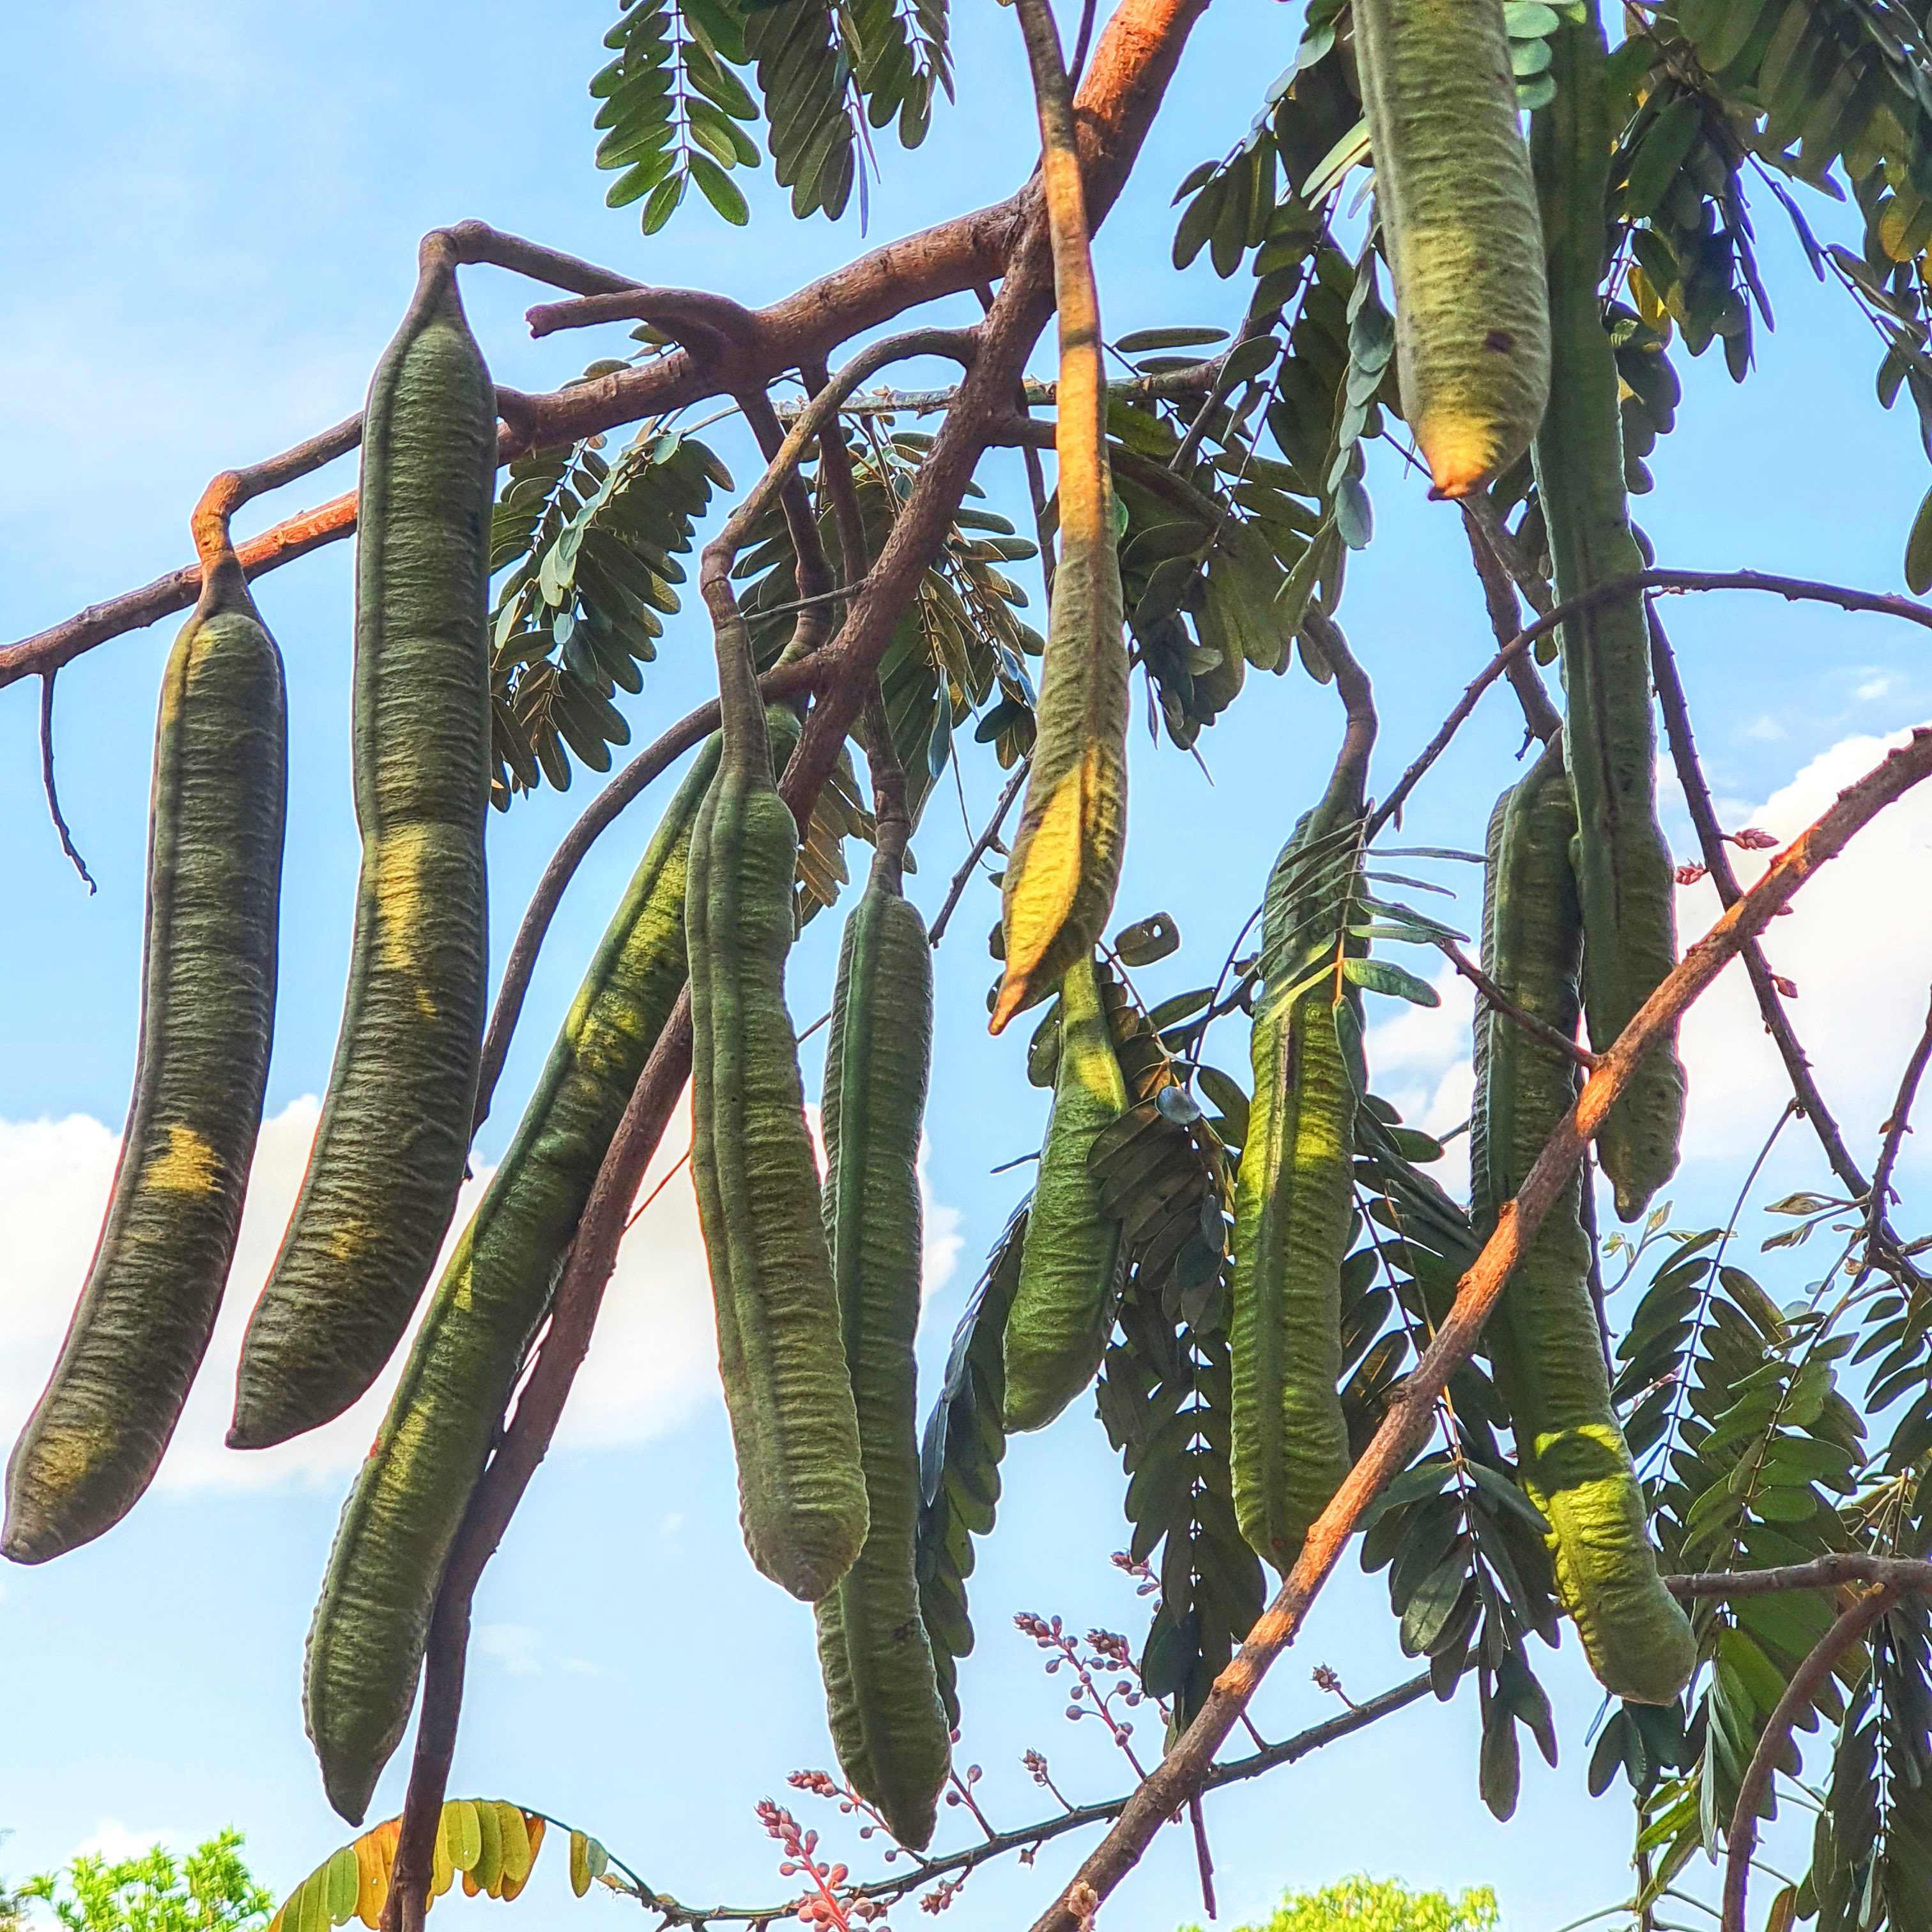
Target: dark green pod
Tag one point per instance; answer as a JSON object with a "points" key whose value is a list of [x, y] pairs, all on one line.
{"points": [[1623, 866], [1294, 1198], [802, 1492], [1543, 1337], [1058, 1326], [365, 1647], [207, 1003], [394, 1133], [881, 1693]]}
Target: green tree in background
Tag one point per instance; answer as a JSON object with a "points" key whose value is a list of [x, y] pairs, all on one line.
{"points": [[1362, 1904], [209, 1890]]}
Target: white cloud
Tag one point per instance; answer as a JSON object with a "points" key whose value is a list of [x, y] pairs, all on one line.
{"points": [[653, 1365], [1766, 730], [515, 1647], [1858, 945], [112, 1840], [1873, 688], [54, 1179]]}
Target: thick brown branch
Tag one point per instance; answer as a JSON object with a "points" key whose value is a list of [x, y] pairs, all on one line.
{"points": [[1903, 1573], [1182, 1772], [1805, 1684], [1116, 103]]}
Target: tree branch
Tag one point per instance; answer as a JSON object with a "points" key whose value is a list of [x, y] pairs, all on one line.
{"points": [[1809, 1675], [51, 789], [988, 836], [1186, 1766], [1900, 1573], [1075, 1818], [1494, 996], [593, 1256], [1542, 719], [1116, 101], [1794, 589]]}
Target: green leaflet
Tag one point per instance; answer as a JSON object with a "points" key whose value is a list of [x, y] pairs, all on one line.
{"points": [[1548, 1357], [1622, 864], [207, 1001]]}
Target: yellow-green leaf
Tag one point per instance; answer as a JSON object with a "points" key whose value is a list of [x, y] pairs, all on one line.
{"points": [[1918, 550], [579, 1864], [344, 1880], [518, 1849], [488, 1867]]}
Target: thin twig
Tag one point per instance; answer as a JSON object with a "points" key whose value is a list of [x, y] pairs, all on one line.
{"points": [[1181, 1773], [1494, 996], [988, 836], [1031, 1838], [1896, 1128], [1795, 590], [1771, 1003], [1805, 1684], [1542, 717], [47, 781], [1121, 89]]}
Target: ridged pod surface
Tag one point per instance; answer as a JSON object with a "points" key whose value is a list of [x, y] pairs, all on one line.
{"points": [[881, 1693], [389, 1150], [1623, 867], [207, 1003], [1459, 215], [365, 1646], [1058, 1326], [1547, 1354], [1294, 1201], [802, 1493]]}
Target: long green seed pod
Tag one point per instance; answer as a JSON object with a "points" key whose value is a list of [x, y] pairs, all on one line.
{"points": [[1066, 863], [1624, 872], [1547, 1351], [881, 1693], [365, 1647], [1058, 1327], [394, 1133], [1293, 1194], [801, 1490], [208, 1002], [1458, 211]]}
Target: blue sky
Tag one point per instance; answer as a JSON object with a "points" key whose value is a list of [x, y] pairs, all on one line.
{"points": [[211, 235]]}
